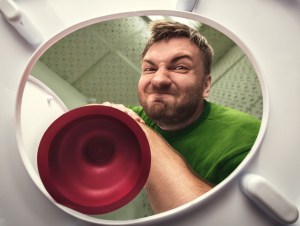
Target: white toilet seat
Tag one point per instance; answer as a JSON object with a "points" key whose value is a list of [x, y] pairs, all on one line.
{"points": [[18, 189]]}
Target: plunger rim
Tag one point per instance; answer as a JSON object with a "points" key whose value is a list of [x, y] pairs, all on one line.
{"points": [[67, 118]]}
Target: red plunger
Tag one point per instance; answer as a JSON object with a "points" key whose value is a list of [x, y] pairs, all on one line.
{"points": [[94, 159]]}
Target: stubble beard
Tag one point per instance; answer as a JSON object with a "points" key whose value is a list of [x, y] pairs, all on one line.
{"points": [[165, 113]]}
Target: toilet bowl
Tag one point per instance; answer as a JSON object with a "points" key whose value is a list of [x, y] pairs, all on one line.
{"points": [[263, 190]]}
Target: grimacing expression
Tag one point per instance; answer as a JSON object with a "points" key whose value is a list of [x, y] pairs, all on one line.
{"points": [[173, 83]]}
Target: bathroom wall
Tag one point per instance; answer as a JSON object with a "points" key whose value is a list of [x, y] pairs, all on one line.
{"points": [[234, 80], [71, 97], [102, 63], [235, 84]]}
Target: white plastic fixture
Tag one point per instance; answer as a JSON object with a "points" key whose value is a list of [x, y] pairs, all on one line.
{"points": [[186, 5], [20, 21]]}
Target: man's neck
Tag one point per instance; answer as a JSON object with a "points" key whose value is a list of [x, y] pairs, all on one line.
{"points": [[181, 125]]}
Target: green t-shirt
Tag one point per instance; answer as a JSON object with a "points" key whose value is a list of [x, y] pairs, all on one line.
{"points": [[215, 144]]}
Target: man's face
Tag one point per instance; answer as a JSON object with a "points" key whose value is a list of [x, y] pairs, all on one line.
{"points": [[173, 84]]}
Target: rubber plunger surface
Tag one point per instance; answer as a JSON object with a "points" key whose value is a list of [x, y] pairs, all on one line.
{"points": [[94, 159]]}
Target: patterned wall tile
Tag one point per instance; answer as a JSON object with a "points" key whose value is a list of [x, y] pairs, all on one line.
{"points": [[75, 54], [219, 41], [111, 80], [224, 64], [115, 32], [133, 46], [239, 88]]}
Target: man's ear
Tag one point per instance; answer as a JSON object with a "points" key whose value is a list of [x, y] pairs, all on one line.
{"points": [[206, 87]]}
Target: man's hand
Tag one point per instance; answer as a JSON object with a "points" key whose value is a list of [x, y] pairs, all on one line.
{"points": [[126, 110]]}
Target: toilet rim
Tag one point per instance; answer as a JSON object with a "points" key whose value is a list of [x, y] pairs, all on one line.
{"points": [[179, 210]]}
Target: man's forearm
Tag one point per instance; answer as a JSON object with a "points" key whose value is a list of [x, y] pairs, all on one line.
{"points": [[171, 182]]}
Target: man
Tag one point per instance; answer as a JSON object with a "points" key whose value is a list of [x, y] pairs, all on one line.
{"points": [[200, 143]]}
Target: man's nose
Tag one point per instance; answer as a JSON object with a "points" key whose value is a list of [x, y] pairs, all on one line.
{"points": [[161, 78]]}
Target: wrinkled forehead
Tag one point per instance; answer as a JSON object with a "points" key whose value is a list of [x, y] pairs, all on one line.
{"points": [[173, 48]]}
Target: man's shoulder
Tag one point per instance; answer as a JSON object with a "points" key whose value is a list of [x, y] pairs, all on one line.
{"points": [[230, 115]]}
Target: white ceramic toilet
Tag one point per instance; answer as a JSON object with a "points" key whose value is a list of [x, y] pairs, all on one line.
{"points": [[263, 191]]}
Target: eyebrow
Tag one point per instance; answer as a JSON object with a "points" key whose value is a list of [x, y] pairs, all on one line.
{"points": [[148, 61], [185, 56], [175, 59]]}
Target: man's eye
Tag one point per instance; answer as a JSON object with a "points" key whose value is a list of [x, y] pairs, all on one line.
{"points": [[149, 70], [181, 68]]}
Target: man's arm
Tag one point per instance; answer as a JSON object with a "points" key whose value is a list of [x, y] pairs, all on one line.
{"points": [[171, 182]]}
